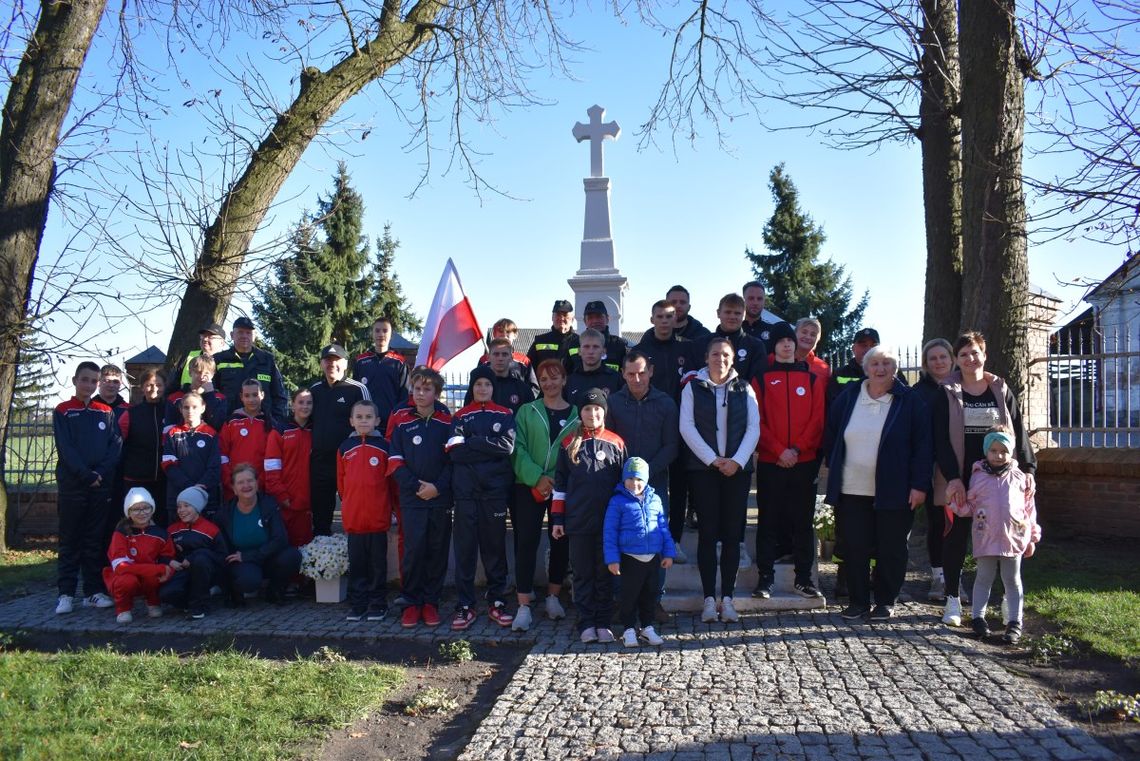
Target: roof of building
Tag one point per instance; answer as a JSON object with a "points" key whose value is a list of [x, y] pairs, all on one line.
{"points": [[152, 356]]}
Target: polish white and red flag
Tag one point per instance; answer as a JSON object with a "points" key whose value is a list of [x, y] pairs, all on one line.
{"points": [[451, 326]]}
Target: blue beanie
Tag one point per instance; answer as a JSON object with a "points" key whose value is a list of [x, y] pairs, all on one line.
{"points": [[635, 467]]}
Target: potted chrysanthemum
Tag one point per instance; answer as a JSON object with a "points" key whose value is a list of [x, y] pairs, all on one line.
{"points": [[325, 561], [824, 522]]}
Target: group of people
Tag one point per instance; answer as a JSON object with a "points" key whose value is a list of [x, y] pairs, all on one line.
{"points": [[607, 445]]}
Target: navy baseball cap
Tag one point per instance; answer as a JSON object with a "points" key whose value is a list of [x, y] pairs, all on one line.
{"points": [[244, 322], [212, 329], [334, 350], [866, 334], [596, 307], [562, 305]]}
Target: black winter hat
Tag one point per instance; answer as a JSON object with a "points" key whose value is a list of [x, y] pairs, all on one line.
{"points": [[482, 371], [780, 331], [595, 396]]}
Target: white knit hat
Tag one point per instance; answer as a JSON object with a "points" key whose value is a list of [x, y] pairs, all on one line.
{"points": [[135, 496]]}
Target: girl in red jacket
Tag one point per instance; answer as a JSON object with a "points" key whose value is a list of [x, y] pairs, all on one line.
{"points": [[140, 555], [287, 468]]}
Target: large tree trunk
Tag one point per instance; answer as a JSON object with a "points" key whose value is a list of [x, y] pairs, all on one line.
{"points": [[321, 94], [941, 138], [38, 100], [995, 264]]}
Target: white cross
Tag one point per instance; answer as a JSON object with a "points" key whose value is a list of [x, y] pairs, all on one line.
{"points": [[596, 132]]}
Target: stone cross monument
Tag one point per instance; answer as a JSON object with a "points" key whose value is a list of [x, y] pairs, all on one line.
{"points": [[598, 278]]}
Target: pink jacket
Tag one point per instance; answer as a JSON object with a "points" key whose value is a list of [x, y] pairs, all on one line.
{"points": [[1005, 520]]}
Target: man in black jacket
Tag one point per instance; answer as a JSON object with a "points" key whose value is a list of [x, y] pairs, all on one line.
{"points": [[750, 355], [243, 361], [560, 342]]}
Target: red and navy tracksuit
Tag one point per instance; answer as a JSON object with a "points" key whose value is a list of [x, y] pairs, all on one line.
{"points": [[216, 411], [482, 441], [243, 440], [203, 544], [88, 445], [418, 454], [287, 456], [582, 490], [141, 427], [139, 563], [362, 481], [332, 410], [192, 456], [386, 377], [792, 403]]}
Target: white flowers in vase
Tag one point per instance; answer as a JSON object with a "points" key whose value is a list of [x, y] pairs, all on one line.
{"points": [[326, 557]]}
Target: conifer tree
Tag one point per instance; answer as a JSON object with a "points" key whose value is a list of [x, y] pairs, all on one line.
{"points": [[387, 298], [798, 283]]}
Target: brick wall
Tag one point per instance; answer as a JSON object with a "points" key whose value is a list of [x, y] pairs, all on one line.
{"points": [[1089, 491]]}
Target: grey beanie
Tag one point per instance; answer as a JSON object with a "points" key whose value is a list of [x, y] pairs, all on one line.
{"points": [[195, 496]]}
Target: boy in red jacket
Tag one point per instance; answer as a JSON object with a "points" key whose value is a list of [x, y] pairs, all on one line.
{"points": [[791, 399], [362, 481]]}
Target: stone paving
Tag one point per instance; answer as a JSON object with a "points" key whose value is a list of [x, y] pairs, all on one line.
{"points": [[802, 685]]}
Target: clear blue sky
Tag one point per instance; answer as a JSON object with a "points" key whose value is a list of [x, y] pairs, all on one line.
{"points": [[678, 216]]}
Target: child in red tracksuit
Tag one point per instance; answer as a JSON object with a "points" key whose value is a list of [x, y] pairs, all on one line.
{"points": [[362, 481], [140, 555], [791, 399], [245, 436], [287, 469]]}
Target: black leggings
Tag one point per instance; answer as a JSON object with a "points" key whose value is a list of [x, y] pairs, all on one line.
{"points": [[954, 547], [638, 590], [721, 505], [935, 525], [526, 518]]}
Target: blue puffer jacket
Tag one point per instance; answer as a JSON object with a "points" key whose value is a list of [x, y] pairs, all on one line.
{"points": [[636, 526]]}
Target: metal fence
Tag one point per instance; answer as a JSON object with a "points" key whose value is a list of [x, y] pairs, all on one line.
{"points": [[1094, 387], [29, 458]]}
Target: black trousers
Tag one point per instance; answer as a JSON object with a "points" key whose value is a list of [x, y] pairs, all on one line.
{"points": [[883, 534], [721, 506], [480, 529], [786, 498], [191, 588], [935, 525], [83, 514], [638, 590], [247, 575], [593, 583], [427, 539], [322, 491], [954, 547], [526, 518], [368, 569]]}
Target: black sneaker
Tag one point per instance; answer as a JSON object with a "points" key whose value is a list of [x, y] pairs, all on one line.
{"points": [[376, 612], [197, 613], [880, 613], [356, 614], [807, 590], [980, 627], [763, 590], [855, 612], [1012, 633]]}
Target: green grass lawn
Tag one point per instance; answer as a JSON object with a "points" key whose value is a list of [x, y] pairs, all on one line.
{"points": [[97, 703], [20, 569], [1091, 590]]}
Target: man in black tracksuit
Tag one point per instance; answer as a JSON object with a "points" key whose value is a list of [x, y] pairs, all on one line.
{"points": [[754, 324], [384, 372], [750, 355], [511, 391], [560, 342], [590, 373], [670, 354], [243, 361], [333, 397], [598, 318]]}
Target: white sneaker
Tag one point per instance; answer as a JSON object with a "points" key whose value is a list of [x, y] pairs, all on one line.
{"points": [[952, 613], [680, 558], [709, 612], [728, 612], [629, 638], [523, 619], [652, 637], [98, 600], [589, 635], [605, 636], [745, 558], [154, 611], [64, 605], [554, 609], [125, 617]]}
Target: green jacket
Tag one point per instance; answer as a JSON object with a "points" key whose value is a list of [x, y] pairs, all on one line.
{"points": [[534, 455]]}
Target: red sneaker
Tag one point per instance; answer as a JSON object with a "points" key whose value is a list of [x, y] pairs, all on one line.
{"points": [[463, 618], [500, 615], [431, 614], [411, 616]]}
